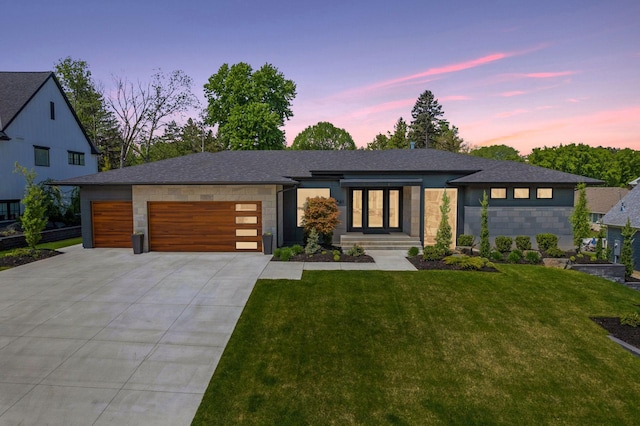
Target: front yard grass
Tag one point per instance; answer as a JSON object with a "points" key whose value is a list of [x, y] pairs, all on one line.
{"points": [[428, 347]]}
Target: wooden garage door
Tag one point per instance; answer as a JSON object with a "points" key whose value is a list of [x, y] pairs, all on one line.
{"points": [[205, 226], [112, 223]]}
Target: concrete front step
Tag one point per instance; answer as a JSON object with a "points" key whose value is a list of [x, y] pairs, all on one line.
{"points": [[380, 242]]}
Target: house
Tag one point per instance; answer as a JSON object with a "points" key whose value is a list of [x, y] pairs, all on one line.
{"points": [[634, 182], [224, 201], [616, 219], [600, 200], [39, 130]]}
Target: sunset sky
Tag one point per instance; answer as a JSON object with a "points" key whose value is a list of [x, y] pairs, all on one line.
{"points": [[536, 74]]}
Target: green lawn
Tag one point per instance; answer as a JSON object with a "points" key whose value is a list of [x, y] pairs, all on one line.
{"points": [[429, 347]]}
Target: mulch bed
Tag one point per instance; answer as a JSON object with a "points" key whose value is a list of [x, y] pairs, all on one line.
{"points": [[12, 261], [626, 333], [440, 265], [328, 257]]}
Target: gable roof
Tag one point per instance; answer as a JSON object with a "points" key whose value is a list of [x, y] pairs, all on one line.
{"points": [[286, 167], [18, 88], [601, 199], [628, 207]]}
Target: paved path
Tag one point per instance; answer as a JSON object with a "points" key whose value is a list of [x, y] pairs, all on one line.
{"points": [[385, 260], [103, 337]]}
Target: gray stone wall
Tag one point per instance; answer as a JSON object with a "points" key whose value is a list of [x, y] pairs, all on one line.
{"points": [[514, 221]]}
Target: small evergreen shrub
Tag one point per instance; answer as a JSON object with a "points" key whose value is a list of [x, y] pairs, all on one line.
{"points": [[555, 252], [630, 319], [297, 249], [504, 243], [285, 254], [546, 241], [466, 240], [532, 257], [356, 251], [277, 252], [413, 251], [433, 253], [336, 258], [515, 256], [572, 258], [523, 242], [497, 256], [473, 263], [313, 245]]}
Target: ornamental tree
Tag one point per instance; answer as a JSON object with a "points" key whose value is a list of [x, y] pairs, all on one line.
{"points": [[626, 255], [321, 214], [580, 218], [33, 220], [485, 245], [443, 235]]}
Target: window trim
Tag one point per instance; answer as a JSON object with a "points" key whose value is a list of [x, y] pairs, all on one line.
{"points": [[35, 157], [71, 157], [544, 188], [522, 198], [491, 196]]}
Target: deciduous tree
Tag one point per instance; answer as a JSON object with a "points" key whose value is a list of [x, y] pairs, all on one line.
{"points": [[323, 136], [249, 107], [497, 152], [33, 220]]}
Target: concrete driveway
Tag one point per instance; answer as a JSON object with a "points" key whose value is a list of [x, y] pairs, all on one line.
{"points": [[105, 337]]}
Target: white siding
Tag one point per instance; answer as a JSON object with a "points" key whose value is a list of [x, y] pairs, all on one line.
{"points": [[33, 126]]}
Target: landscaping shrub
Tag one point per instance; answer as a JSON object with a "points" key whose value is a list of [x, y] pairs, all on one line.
{"points": [[356, 250], [468, 262], [497, 256], [580, 218], [433, 253], [443, 234], [555, 252], [297, 249], [515, 256], [504, 243], [626, 255], [485, 246], [277, 252], [33, 220], [313, 245], [546, 241], [321, 214], [630, 319], [523, 242], [601, 252], [466, 240], [285, 254], [532, 257], [413, 251]]}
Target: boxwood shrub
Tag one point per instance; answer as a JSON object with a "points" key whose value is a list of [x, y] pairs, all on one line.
{"points": [[503, 243]]}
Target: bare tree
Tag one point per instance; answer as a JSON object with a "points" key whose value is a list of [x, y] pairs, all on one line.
{"points": [[143, 109]]}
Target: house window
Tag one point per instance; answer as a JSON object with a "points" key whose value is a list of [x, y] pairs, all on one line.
{"points": [[9, 210], [52, 110], [497, 193], [76, 158], [304, 194], [41, 156], [521, 193], [544, 193]]}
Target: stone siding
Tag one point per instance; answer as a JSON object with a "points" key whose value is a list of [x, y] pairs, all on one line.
{"points": [[141, 194]]}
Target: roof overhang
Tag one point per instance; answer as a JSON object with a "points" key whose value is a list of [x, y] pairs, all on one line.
{"points": [[368, 183]]}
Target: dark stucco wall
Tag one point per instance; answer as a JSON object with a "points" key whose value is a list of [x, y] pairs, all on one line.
{"points": [[98, 193]]}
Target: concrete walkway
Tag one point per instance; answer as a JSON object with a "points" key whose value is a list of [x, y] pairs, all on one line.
{"points": [[105, 337], [385, 260]]}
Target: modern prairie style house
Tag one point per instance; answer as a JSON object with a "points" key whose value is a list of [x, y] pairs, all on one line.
{"points": [[225, 201], [39, 130], [616, 219]]}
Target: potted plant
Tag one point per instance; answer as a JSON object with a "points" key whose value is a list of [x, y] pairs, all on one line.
{"points": [[137, 242], [267, 243]]}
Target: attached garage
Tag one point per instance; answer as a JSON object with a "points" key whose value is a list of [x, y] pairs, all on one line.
{"points": [[112, 223], [205, 226]]}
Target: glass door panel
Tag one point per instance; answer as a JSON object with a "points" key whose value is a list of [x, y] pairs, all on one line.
{"points": [[356, 208], [375, 208], [394, 208]]}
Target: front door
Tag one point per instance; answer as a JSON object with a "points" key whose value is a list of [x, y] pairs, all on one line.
{"points": [[375, 210]]}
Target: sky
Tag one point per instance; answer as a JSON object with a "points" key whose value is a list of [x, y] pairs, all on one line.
{"points": [[523, 74]]}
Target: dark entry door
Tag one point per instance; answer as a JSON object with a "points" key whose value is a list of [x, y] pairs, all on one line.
{"points": [[375, 210]]}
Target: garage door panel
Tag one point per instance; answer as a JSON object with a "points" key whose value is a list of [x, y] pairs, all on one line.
{"points": [[203, 225], [112, 223]]}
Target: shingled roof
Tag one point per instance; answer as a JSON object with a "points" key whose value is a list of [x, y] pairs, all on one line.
{"points": [[627, 208], [286, 167], [16, 89]]}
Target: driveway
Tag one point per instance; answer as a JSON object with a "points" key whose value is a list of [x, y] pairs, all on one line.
{"points": [[105, 337]]}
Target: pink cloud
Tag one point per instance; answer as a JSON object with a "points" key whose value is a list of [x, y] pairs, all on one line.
{"points": [[512, 93], [545, 107], [508, 114], [386, 106], [454, 98], [549, 74]]}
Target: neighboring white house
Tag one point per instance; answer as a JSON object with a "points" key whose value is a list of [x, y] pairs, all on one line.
{"points": [[40, 131]]}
